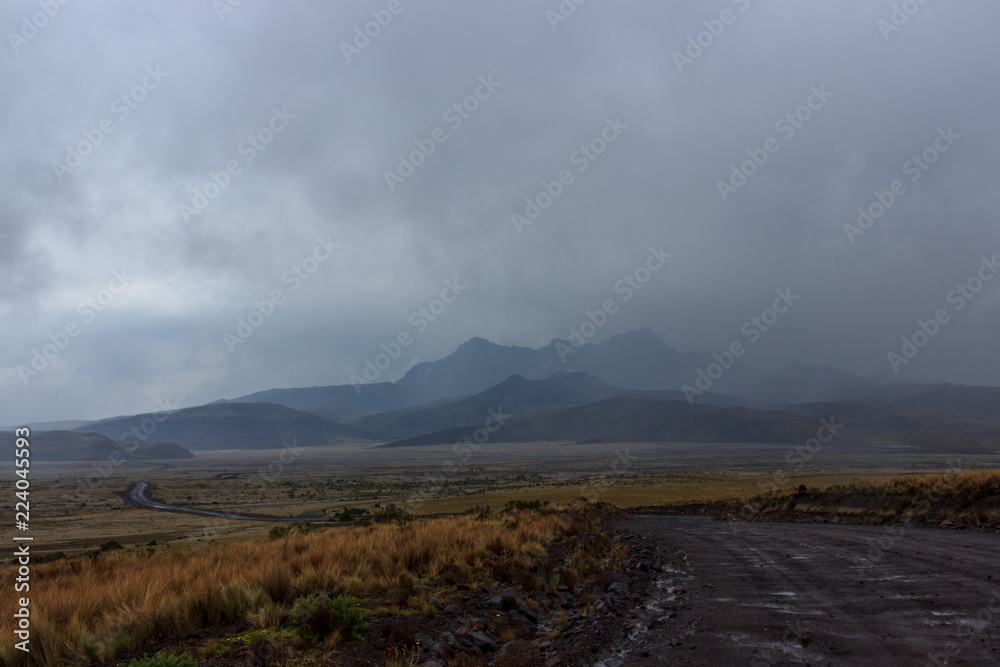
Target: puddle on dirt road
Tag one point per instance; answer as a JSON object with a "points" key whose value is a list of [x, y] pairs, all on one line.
{"points": [[782, 608], [666, 589]]}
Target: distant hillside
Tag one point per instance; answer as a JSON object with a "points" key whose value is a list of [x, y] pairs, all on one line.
{"points": [[938, 418], [980, 403], [514, 396], [628, 419], [919, 422], [38, 427], [70, 446], [236, 426], [343, 402]]}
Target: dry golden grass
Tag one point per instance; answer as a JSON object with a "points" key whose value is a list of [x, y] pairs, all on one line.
{"points": [[970, 498], [101, 609], [943, 483]]}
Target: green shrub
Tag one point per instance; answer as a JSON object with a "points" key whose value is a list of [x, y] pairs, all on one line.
{"points": [[390, 513], [516, 505], [161, 660], [278, 532], [319, 615], [48, 558]]}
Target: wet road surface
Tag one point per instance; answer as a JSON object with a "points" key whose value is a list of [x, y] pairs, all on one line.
{"points": [[733, 593]]}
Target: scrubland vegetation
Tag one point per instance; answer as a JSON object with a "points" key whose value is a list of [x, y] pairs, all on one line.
{"points": [[963, 499], [320, 586]]}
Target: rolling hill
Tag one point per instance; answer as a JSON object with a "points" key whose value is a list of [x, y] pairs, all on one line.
{"points": [[235, 426], [343, 402], [71, 446], [631, 419]]}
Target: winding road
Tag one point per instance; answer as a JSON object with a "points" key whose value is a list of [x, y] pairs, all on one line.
{"points": [[137, 496]]}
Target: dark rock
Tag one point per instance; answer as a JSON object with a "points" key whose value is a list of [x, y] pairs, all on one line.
{"points": [[517, 619], [528, 613], [506, 651], [452, 609], [434, 602], [511, 599], [442, 651], [543, 599], [618, 588], [483, 641]]}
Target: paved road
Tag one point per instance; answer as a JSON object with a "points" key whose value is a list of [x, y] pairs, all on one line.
{"points": [[815, 594], [137, 496]]}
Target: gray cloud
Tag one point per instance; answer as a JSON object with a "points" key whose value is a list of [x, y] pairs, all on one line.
{"points": [[324, 176]]}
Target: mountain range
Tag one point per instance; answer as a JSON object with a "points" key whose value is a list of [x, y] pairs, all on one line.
{"points": [[631, 387]]}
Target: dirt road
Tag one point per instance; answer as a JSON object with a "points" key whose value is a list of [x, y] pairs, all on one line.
{"points": [[812, 594]]}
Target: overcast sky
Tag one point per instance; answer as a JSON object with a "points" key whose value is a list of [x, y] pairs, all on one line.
{"points": [[309, 114]]}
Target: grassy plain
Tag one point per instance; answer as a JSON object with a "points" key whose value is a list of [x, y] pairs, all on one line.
{"points": [[78, 506], [177, 572]]}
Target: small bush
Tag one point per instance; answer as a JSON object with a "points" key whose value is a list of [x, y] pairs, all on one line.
{"points": [[161, 660], [49, 558], [278, 532], [277, 583], [519, 505], [391, 513], [269, 615], [111, 545], [320, 615]]}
